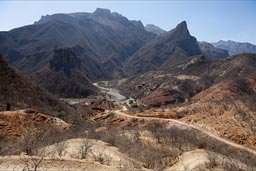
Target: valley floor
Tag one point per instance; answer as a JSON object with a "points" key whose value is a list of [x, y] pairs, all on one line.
{"points": [[117, 139]]}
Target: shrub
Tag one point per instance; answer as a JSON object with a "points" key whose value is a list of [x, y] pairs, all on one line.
{"points": [[62, 114], [143, 107], [130, 102], [134, 105]]}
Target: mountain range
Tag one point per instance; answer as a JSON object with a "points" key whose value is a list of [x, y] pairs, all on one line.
{"points": [[211, 51], [65, 53], [101, 39], [235, 48]]}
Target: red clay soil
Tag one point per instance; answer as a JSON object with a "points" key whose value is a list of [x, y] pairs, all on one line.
{"points": [[162, 97], [11, 122]]}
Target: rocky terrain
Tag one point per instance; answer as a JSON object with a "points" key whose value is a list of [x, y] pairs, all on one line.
{"points": [[96, 91], [171, 142], [13, 122], [189, 77], [218, 95]]}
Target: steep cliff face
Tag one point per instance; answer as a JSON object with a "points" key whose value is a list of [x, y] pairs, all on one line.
{"points": [[169, 48], [64, 76], [65, 60]]}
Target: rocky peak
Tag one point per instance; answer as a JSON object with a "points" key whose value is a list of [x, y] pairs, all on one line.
{"points": [[102, 11], [182, 25], [138, 24], [180, 32], [55, 17], [181, 37]]}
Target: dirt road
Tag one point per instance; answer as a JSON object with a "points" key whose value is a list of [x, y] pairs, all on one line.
{"points": [[204, 132]]}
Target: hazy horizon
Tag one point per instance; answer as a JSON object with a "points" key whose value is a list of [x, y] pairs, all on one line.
{"points": [[209, 21]]}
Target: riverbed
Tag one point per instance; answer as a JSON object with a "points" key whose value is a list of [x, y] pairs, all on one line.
{"points": [[113, 94]]}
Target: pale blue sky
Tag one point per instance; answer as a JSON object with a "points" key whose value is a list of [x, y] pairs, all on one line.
{"points": [[209, 21]]}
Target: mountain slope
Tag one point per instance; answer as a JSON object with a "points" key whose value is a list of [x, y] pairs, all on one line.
{"points": [[217, 95], [211, 51], [169, 48], [106, 38], [21, 93], [189, 77], [235, 48]]}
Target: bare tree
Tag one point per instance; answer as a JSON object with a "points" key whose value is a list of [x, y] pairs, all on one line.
{"points": [[85, 148], [30, 138], [60, 148], [126, 164], [156, 128], [30, 141], [212, 157], [137, 136], [101, 157], [33, 162]]}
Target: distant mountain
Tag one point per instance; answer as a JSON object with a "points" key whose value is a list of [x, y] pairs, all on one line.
{"points": [[21, 93], [235, 48], [154, 29], [64, 76], [212, 52], [102, 40], [168, 48]]}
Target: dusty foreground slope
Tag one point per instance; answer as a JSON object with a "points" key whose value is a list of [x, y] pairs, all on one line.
{"points": [[10, 163], [99, 152], [198, 135], [78, 153], [197, 160], [101, 156]]}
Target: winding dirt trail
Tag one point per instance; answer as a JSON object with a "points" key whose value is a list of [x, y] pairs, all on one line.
{"points": [[188, 126]]}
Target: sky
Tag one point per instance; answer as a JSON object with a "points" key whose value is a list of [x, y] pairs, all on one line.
{"points": [[207, 20]]}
